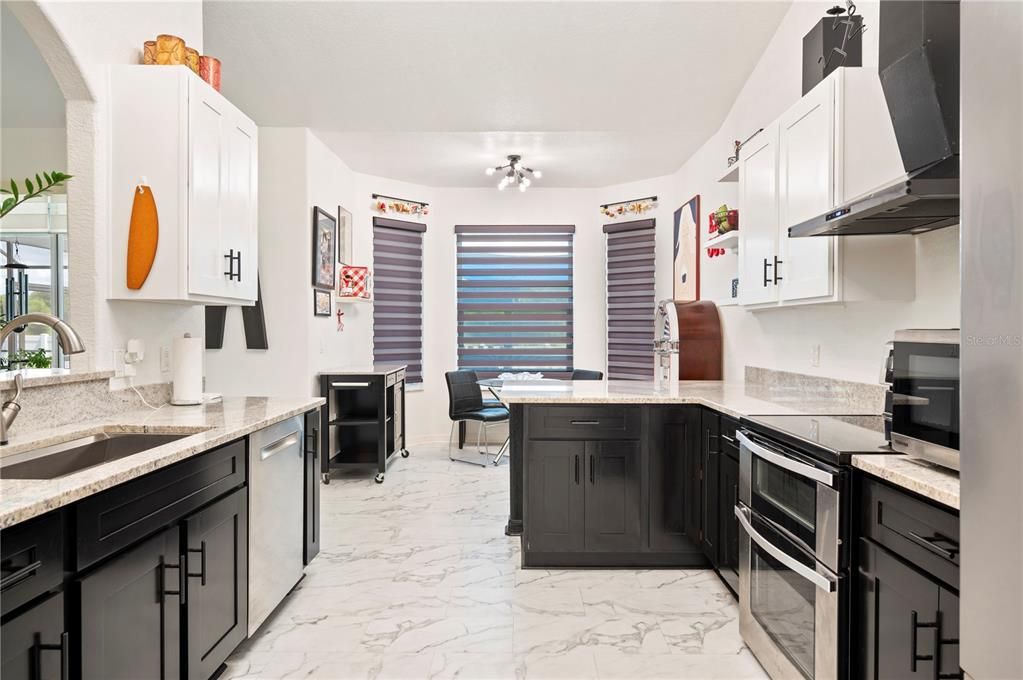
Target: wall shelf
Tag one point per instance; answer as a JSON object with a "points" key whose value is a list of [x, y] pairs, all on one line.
{"points": [[729, 240], [731, 174], [352, 300]]}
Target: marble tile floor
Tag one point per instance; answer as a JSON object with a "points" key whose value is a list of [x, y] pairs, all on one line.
{"points": [[416, 579]]}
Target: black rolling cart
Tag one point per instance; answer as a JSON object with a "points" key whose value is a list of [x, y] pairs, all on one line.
{"points": [[363, 423]]}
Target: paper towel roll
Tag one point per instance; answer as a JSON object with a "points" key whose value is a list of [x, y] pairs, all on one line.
{"points": [[188, 354]]}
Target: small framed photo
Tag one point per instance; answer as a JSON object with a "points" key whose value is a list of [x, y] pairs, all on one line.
{"points": [[344, 236], [324, 249], [321, 302]]}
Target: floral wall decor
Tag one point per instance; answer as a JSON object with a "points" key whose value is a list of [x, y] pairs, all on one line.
{"points": [[400, 206], [636, 206]]}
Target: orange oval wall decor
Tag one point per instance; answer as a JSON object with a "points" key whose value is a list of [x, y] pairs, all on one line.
{"points": [[143, 235]]}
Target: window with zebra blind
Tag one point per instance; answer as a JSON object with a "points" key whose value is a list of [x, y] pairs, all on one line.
{"points": [[515, 299], [398, 295], [631, 301]]}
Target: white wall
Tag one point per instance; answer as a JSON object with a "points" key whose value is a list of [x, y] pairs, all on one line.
{"points": [[27, 151]]}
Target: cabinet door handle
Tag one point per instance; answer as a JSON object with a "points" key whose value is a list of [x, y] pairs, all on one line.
{"points": [[585, 422], [767, 279], [230, 264], [593, 474], [62, 647], [181, 566], [20, 575], [914, 657], [776, 270], [240, 266], [577, 468], [202, 562]]}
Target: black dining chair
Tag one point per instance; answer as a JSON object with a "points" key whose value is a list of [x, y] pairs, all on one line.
{"points": [[465, 403], [586, 374]]}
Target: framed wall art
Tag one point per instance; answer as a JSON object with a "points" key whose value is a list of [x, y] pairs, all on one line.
{"points": [[321, 302], [324, 249], [344, 236], [686, 269]]}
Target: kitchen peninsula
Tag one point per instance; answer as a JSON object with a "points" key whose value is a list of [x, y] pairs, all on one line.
{"points": [[622, 473]]}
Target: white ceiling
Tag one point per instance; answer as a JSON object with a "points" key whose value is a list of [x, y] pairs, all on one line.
{"points": [[592, 93], [29, 94]]}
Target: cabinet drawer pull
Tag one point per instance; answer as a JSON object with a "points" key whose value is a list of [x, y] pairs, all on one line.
{"points": [[20, 575], [202, 563], [585, 422], [931, 543], [593, 474], [62, 647], [577, 468]]}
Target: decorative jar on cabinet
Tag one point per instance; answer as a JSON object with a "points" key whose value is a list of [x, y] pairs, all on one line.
{"points": [[197, 152]]}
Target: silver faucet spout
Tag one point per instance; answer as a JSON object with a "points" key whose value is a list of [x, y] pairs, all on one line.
{"points": [[69, 341]]}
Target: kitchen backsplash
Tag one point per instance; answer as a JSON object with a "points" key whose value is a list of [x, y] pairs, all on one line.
{"points": [[46, 406], [778, 385]]}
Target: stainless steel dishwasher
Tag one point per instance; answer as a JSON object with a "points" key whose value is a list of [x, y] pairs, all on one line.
{"points": [[276, 465]]}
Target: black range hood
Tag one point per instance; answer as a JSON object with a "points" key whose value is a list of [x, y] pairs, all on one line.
{"points": [[918, 62]]}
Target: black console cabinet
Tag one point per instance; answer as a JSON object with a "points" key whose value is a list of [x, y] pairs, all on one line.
{"points": [[609, 485]]}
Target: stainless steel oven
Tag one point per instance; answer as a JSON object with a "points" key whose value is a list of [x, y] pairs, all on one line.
{"points": [[792, 559], [925, 395]]}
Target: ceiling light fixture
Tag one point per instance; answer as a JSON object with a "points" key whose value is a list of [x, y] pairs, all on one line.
{"points": [[515, 174]]}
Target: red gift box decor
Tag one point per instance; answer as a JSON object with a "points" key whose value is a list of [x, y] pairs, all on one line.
{"points": [[354, 282]]}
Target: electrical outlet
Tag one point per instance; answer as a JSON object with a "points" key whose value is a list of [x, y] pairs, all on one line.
{"points": [[165, 361], [815, 355]]}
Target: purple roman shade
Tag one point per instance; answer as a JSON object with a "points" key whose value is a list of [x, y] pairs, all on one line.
{"points": [[398, 295], [515, 299], [631, 303]]}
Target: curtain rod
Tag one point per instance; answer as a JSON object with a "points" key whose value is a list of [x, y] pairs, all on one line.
{"points": [[403, 200], [633, 200]]}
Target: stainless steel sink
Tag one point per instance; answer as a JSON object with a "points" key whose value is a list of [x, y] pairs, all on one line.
{"points": [[79, 454]]}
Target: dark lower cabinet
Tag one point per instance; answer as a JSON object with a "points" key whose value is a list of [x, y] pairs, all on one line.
{"points": [[312, 486], [728, 524], [673, 433], [611, 498], [710, 454], [216, 619], [130, 613], [554, 496], [909, 623], [34, 645]]}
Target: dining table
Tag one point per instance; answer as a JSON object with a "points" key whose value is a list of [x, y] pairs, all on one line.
{"points": [[495, 385]]}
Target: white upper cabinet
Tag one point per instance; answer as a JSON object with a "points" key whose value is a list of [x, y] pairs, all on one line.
{"points": [[198, 154], [834, 144], [806, 164], [758, 210]]}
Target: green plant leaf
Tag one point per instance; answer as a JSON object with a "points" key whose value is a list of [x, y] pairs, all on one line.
{"points": [[28, 186], [46, 176], [39, 182], [7, 205], [14, 189]]}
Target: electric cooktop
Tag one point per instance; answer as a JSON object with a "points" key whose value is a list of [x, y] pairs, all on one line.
{"points": [[832, 438]]}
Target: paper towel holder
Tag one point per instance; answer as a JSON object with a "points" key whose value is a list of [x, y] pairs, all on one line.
{"points": [[187, 385]]}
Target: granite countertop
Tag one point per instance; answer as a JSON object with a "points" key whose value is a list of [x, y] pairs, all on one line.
{"points": [[735, 399], [931, 481], [207, 427]]}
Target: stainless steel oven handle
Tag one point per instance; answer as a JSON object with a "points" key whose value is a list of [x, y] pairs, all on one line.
{"points": [[790, 464], [825, 582]]}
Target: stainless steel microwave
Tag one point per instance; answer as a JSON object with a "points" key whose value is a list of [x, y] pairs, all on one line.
{"points": [[924, 398]]}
